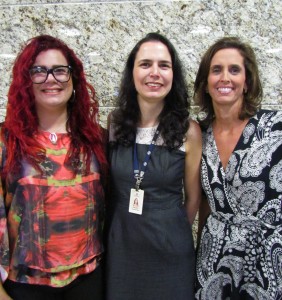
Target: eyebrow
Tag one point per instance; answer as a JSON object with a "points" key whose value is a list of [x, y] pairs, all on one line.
{"points": [[161, 61], [45, 67], [236, 65], [166, 61], [232, 65]]}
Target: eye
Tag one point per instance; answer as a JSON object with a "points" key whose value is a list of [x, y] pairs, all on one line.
{"points": [[144, 65], [235, 70], [215, 69], [61, 70], [37, 70], [165, 66]]}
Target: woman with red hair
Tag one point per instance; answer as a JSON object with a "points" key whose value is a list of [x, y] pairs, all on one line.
{"points": [[52, 169]]}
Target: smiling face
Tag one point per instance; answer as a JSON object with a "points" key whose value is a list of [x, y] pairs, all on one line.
{"points": [[227, 78], [152, 72], [52, 95]]}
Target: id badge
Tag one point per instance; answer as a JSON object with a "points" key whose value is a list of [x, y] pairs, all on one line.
{"points": [[136, 201]]}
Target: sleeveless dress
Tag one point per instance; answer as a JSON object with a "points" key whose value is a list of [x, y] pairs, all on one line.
{"points": [[240, 254], [149, 256]]}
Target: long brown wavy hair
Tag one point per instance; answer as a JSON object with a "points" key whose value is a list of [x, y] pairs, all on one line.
{"points": [[253, 95]]}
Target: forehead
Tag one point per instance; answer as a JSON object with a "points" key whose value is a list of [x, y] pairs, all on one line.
{"points": [[228, 56], [153, 50], [51, 57]]}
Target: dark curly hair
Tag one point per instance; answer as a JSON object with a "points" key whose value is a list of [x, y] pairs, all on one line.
{"points": [[253, 95], [174, 117]]}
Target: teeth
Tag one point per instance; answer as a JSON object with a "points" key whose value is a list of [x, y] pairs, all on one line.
{"points": [[153, 84], [224, 90], [51, 91]]}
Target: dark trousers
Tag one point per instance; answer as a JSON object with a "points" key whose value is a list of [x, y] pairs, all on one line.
{"points": [[85, 287]]}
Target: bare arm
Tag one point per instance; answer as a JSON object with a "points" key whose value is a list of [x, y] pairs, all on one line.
{"points": [[3, 294], [192, 183]]}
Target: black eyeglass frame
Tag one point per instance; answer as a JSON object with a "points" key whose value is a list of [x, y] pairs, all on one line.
{"points": [[50, 71]]}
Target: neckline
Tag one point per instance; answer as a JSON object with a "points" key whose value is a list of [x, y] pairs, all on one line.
{"points": [[48, 132], [235, 147], [147, 128], [51, 138], [57, 131], [144, 135]]}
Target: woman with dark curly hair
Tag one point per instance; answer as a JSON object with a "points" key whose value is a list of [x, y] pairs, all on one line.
{"points": [[155, 153], [52, 168], [239, 255]]}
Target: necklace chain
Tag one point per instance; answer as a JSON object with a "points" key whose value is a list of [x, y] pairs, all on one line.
{"points": [[53, 135]]}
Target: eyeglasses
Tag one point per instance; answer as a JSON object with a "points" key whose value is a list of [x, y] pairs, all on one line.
{"points": [[40, 74]]}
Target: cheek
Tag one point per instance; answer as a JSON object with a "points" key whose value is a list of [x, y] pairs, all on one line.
{"points": [[69, 88], [137, 80], [169, 79], [210, 80], [170, 84], [34, 90], [134, 75], [208, 85]]}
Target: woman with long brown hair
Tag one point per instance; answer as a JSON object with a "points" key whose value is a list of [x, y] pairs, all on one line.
{"points": [[240, 249]]}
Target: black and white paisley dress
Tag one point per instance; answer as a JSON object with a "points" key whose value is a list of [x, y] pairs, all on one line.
{"points": [[240, 253]]}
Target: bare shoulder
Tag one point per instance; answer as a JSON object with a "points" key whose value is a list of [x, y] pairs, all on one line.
{"points": [[194, 132], [193, 141], [193, 145]]}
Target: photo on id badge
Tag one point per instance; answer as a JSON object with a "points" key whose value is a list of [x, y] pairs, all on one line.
{"points": [[136, 201]]}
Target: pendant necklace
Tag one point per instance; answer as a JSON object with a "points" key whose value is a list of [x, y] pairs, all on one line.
{"points": [[53, 138], [52, 135]]}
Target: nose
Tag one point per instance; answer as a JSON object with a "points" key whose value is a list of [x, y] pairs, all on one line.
{"points": [[154, 71], [225, 76], [50, 72]]}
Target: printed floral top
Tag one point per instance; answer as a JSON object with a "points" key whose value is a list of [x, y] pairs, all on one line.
{"points": [[52, 220], [240, 251]]}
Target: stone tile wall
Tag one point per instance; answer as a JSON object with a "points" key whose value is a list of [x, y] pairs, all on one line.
{"points": [[103, 32]]}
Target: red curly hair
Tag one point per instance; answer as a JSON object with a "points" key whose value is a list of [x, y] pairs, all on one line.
{"points": [[21, 121]]}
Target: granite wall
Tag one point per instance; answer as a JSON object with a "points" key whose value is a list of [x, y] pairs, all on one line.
{"points": [[103, 32]]}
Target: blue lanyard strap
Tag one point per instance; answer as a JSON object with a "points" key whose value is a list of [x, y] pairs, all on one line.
{"points": [[139, 173]]}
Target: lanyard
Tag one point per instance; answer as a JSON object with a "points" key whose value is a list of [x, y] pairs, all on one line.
{"points": [[139, 173]]}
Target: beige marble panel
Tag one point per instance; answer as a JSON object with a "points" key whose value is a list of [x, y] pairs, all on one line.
{"points": [[103, 32]]}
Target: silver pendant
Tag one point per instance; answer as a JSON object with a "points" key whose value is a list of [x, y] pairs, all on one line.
{"points": [[53, 138]]}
